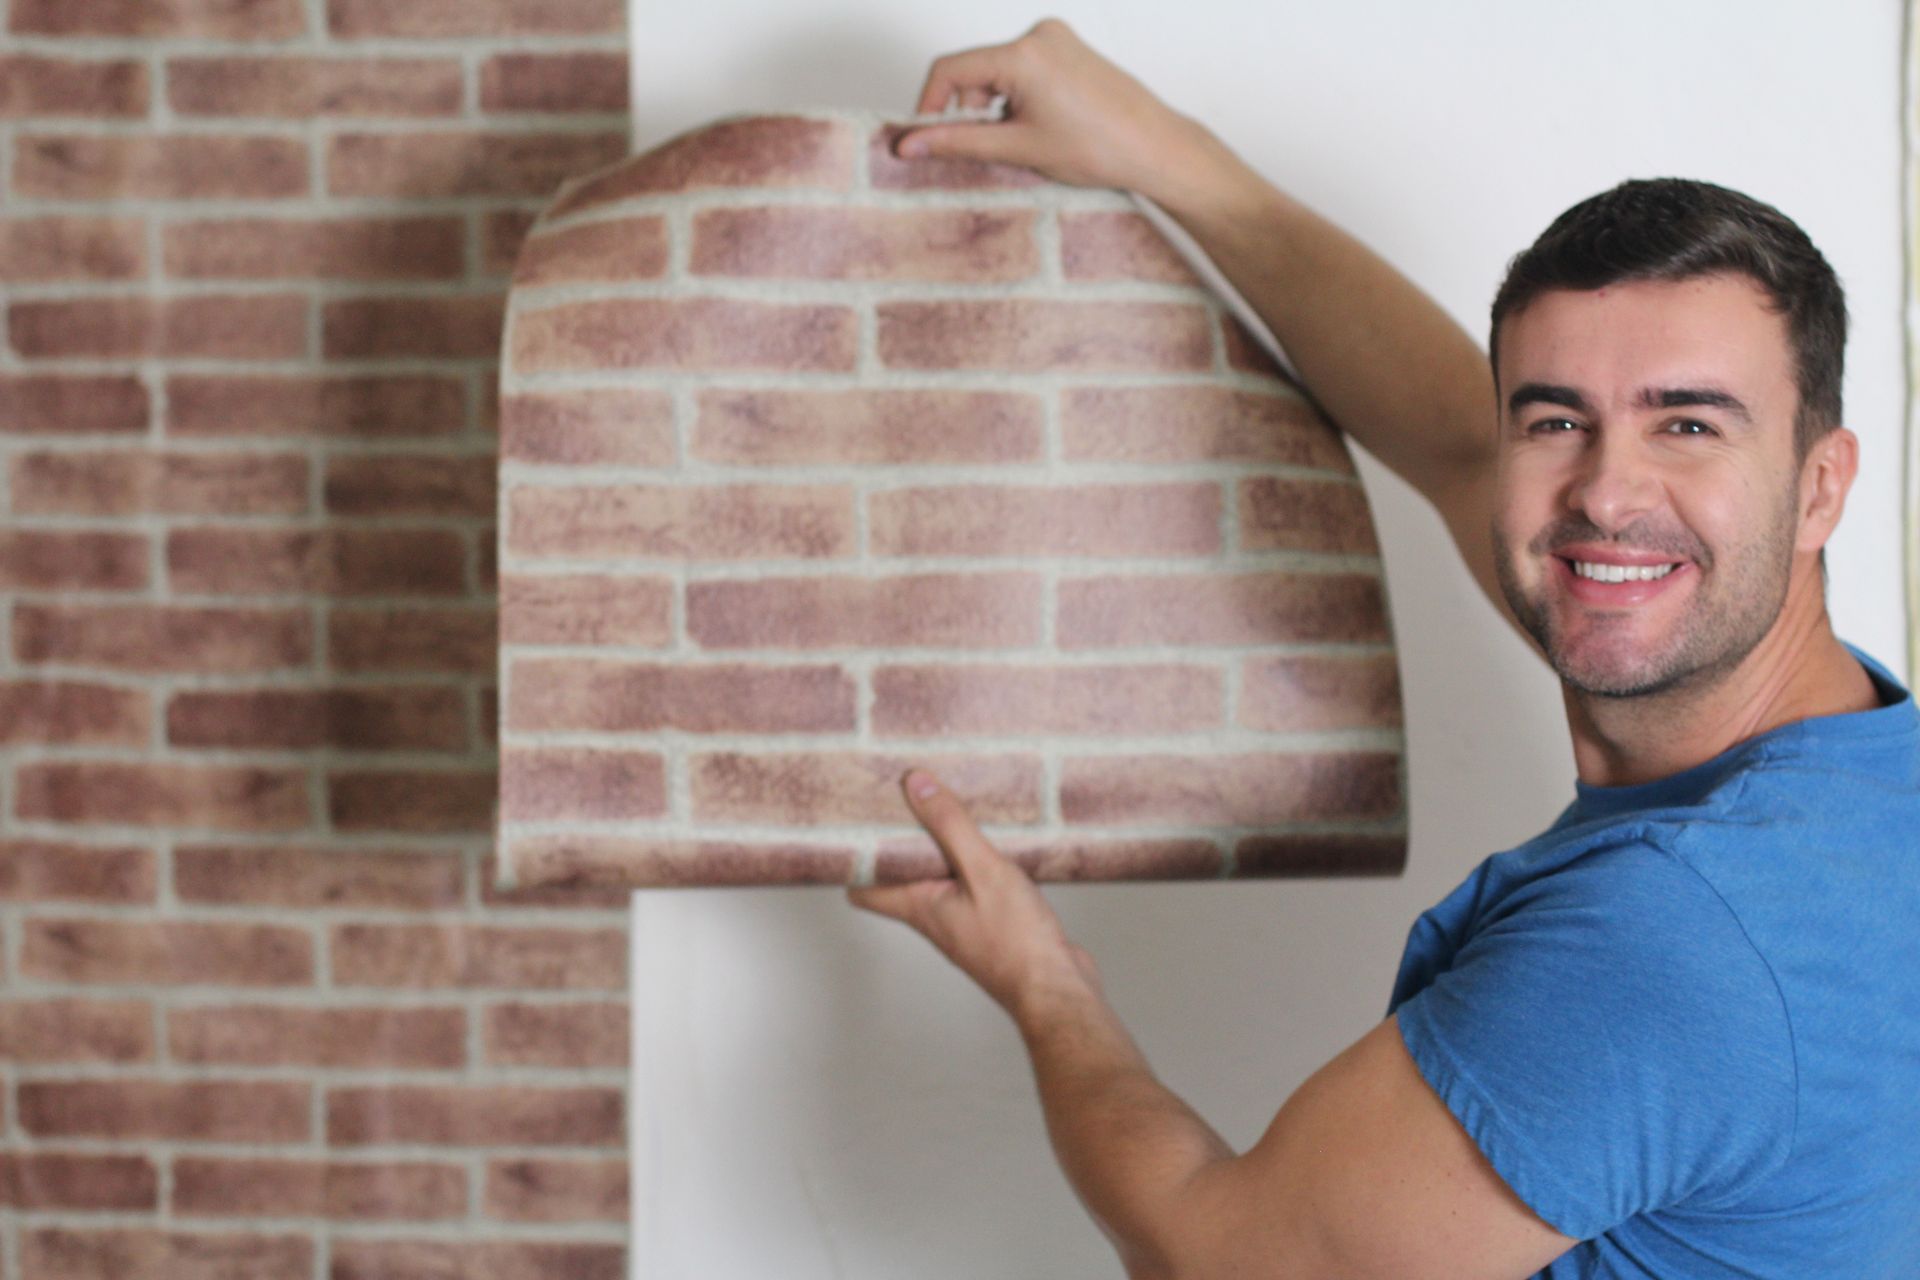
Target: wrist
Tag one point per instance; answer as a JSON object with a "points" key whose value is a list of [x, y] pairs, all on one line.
{"points": [[1048, 994], [1209, 183]]}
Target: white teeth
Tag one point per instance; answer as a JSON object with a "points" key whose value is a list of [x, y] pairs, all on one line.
{"points": [[1622, 572]]}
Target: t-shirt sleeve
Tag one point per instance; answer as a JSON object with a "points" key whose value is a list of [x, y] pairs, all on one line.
{"points": [[1613, 1042]]}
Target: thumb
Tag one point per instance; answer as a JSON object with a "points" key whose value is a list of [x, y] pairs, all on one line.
{"points": [[993, 142]]}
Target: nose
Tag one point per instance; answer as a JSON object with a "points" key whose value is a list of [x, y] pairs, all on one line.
{"points": [[1615, 483]]}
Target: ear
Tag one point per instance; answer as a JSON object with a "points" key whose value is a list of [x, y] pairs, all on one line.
{"points": [[1825, 478]]}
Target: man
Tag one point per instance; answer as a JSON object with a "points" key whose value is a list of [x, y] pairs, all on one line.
{"points": [[1678, 1034]]}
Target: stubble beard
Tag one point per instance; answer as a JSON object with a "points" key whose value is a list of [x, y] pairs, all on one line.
{"points": [[1734, 607]]}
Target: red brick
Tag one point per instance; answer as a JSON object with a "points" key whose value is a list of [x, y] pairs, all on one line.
{"points": [[685, 333], [316, 561], [159, 167], [589, 427], [71, 247], [1321, 854], [66, 404], [44, 1031], [127, 482], [227, 797], [1042, 520], [316, 876], [613, 695], [576, 81], [706, 522], [265, 1035], [1306, 692], [558, 1035], [480, 1260], [62, 1180], [143, 1253], [939, 700], [872, 426], [46, 560], [557, 1190], [428, 801], [340, 1189], [155, 638], [465, 163], [433, 956], [390, 484], [193, 1111], [806, 788], [800, 241], [620, 249], [475, 1116], [270, 327], [74, 713], [359, 406], [49, 871], [432, 19], [593, 609], [615, 865], [457, 640], [566, 890], [1054, 859], [31, 85], [941, 610], [1118, 245], [1030, 335], [890, 172], [1221, 609], [316, 248], [1243, 790], [1244, 354], [501, 235], [1282, 513], [780, 152], [401, 328], [170, 19], [585, 783], [167, 951], [1196, 424], [300, 88], [377, 719]]}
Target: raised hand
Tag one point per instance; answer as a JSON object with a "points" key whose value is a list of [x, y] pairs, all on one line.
{"points": [[990, 918], [1070, 114]]}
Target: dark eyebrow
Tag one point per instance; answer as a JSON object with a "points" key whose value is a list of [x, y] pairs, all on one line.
{"points": [[1546, 393], [1685, 397]]}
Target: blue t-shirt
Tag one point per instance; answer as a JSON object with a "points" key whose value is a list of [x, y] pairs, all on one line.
{"points": [[1684, 1023]]}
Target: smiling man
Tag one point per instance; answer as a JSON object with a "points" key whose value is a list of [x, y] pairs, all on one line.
{"points": [[1678, 1033]]}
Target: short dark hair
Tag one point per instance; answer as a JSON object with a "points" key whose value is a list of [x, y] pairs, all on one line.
{"points": [[1671, 229]]}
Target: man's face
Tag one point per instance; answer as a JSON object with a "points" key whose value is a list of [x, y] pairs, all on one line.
{"points": [[1648, 495]]}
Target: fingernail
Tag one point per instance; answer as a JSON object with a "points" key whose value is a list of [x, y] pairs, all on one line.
{"points": [[923, 785], [913, 145]]}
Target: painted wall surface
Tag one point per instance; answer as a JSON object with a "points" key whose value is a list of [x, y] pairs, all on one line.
{"points": [[823, 1076]]}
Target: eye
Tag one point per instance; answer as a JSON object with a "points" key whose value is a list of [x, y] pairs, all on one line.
{"points": [[1552, 426], [1690, 427]]}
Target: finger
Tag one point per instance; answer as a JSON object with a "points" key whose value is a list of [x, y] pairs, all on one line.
{"points": [[973, 857], [994, 141], [982, 68]]}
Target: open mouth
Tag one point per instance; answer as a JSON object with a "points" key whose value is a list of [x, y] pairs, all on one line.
{"points": [[1597, 572]]}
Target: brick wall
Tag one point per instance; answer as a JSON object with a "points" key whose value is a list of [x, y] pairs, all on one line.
{"points": [[263, 1013], [817, 463]]}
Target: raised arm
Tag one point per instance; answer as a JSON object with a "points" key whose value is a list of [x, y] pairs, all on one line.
{"points": [[1385, 363]]}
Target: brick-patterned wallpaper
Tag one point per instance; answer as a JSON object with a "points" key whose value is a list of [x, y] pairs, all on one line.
{"points": [[263, 1013], [817, 462]]}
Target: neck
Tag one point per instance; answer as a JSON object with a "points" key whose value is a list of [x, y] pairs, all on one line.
{"points": [[1798, 670]]}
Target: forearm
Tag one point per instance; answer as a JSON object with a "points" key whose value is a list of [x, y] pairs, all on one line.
{"points": [[1128, 1144], [1382, 359]]}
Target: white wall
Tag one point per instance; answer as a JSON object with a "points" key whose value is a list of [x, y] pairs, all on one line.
{"points": [[817, 1094]]}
